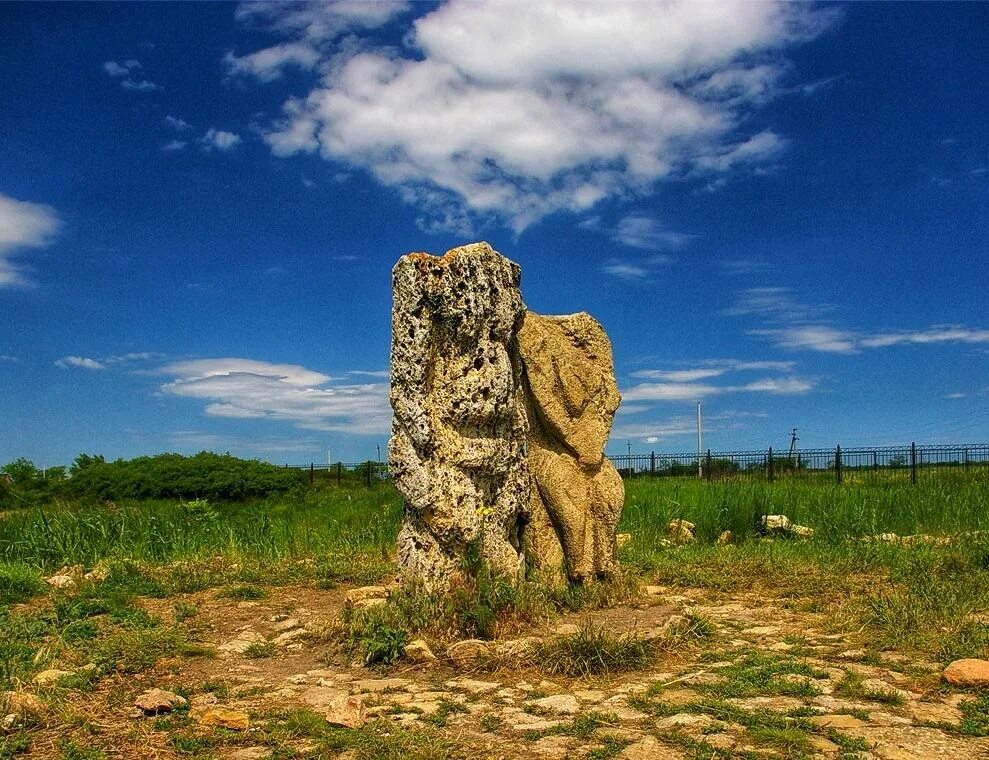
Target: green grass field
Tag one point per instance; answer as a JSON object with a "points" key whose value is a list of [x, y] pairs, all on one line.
{"points": [[329, 535]]}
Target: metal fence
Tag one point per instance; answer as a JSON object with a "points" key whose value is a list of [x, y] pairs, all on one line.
{"points": [[840, 464], [909, 462]]}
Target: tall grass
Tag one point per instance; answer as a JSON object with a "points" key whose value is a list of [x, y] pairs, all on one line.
{"points": [[318, 523], [836, 512]]}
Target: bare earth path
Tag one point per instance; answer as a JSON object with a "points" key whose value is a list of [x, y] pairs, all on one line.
{"points": [[772, 681]]}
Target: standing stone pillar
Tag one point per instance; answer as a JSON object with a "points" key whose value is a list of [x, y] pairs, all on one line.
{"points": [[457, 452], [577, 495]]}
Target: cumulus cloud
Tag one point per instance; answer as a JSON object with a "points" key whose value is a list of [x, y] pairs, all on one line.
{"points": [[310, 25], [218, 139], [249, 389], [22, 225], [79, 362], [515, 112]]}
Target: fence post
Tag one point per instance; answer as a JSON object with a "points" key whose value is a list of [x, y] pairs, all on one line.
{"points": [[837, 464], [312, 473], [652, 462], [708, 465], [965, 458], [769, 465], [875, 461], [339, 471], [913, 462], [368, 473]]}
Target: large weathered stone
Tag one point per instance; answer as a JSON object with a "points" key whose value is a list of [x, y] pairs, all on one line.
{"points": [[457, 451], [576, 495]]}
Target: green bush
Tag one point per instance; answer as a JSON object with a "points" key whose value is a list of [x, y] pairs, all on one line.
{"points": [[203, 476]]}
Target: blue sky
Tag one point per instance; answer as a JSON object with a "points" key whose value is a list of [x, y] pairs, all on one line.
{"points": [[778, 210]]}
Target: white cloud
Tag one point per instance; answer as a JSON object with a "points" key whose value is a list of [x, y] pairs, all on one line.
{"points": [[179, 125], [249, 389], [687, 385], [775, 303], [813, 338], [267, 65], [640, 231], [117, 70], [139, 86], [310, 25], [10, 359], [515, 112], [824, 338], [219, 139], [625, 270], [174, 145], [79, 362], [937, 334], [22, 225]]}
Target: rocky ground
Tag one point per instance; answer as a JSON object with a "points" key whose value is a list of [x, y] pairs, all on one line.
{"points": [[772, 679]]}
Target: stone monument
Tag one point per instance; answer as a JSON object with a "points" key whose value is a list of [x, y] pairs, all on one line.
{"points": [[500, 421]]}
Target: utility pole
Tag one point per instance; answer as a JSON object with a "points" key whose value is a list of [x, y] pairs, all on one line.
{"points": [[700, 443], [793, 443]]}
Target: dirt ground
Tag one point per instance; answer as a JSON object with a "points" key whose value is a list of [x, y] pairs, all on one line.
{"points": [[766, 665]]}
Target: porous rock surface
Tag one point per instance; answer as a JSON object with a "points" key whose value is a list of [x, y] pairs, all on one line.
{"points": [[501, 418], [577, 495], [457, 451]]}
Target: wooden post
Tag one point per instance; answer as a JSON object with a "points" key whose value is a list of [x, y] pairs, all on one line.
{"points": [[769, 465], [652, 462], [312, 473], [837, 464], [913, 462], [708, 468], [339, 471]]}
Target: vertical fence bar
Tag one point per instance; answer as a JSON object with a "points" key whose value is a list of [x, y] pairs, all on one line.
{"points": [[837, 464], [312, 473], [769, 465], [913, 462], [875, 461], [652, 462], [965, 459]]}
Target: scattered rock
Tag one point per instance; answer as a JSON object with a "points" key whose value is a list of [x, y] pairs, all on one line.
{"points": [[725, 538], [156, 701], [557, 704], [286, 625], [418, 651], [380, 684], [248, 753], [468, 652], [879, 686], [241, 642], [517, 649], [968, 672], [554, 747], [289, 636], [681, 531], [687, 722], [21, 703], [566, 629], [803, 532], [654, 590], [474, 687], [321, 697], [217, 716], [841, 721], [776, 523], [649, 748], [51, 676], [366, 592], [347, 711]]}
